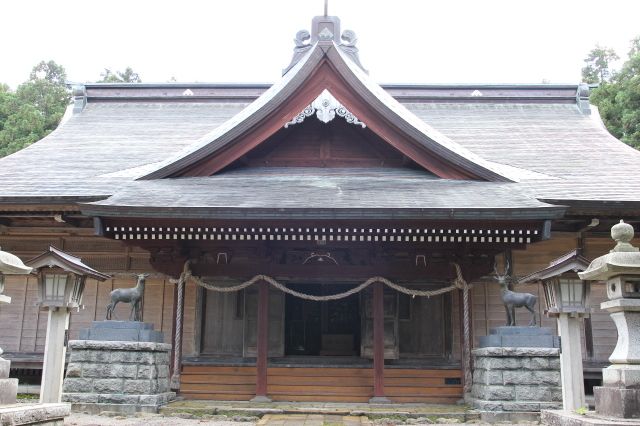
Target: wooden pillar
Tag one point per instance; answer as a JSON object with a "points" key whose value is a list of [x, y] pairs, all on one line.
{"points": [[378, 345], [262, 343]]}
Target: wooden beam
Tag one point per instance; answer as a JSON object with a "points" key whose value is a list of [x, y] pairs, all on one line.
{"points": [[262, 343], [378, 345], [344, 273]]}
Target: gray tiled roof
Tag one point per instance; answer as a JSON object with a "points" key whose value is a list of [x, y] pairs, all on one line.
{"points": [[560, 154], [553, 139], [95, 152], [350, 193]]}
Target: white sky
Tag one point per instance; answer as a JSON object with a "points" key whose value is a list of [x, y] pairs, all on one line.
{"points": [[400, 41]]}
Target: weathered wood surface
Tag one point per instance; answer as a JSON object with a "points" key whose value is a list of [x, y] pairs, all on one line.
{"points": [[314, 144], [26, 330], [320, 384], [27, 325]]}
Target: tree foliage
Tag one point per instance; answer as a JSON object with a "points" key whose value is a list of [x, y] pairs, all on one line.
{"points": [[34, 109], [126, 76], [597, 65], [618, 100]]}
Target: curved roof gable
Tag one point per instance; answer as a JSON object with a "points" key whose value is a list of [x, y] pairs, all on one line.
{"points": [[326, 67]]}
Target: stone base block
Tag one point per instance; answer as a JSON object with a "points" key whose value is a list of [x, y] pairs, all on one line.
{"points": [[106, 375], [520, 337], [122, 331], [516, 379], [40, 414], [8, 391], [127, 404], [512, 406], [622, 376], [567, 418], [617, 402], [510, 417], [5, 366]]}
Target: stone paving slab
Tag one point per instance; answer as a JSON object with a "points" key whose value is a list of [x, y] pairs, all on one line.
{"points": [[344, 409], [312, 420]]}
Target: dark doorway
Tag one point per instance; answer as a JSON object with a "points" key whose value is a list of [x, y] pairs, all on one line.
{"points": [[322, 328]]}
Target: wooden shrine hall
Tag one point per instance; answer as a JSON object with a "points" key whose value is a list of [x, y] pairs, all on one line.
{"points": [[323, 238]]}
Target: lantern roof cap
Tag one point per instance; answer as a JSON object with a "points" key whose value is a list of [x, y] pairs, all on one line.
{"points": [[11, 264], [624, 258], [572, 261], [56, 257]]}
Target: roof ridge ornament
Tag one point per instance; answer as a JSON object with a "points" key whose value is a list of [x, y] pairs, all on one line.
{"points": [[302, 46], [325, 29], [325, 107], [348, 46]]}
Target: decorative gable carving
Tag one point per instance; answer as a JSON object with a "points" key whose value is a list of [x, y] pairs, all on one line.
{"points": [[325, 107]]}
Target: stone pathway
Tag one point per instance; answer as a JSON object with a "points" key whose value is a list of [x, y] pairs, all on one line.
{"points": [[313, 420]]}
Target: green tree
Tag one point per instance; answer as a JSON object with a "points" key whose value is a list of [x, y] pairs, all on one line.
{"points": [[619, 99], [34, 109], [597, 65], [126, 76]]}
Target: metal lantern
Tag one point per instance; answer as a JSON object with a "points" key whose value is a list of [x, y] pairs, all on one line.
{"points": [[566, 294], [61, 278]]}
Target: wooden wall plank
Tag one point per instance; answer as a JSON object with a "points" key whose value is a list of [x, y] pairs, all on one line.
{"points": [[189, 322], [319, 384], [11, 314]]}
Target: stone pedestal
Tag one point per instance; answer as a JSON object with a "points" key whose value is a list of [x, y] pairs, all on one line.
{"points": [[520, 337], [122, 376], [8, 387], [620, 394], [122, 331], [517, 379]]}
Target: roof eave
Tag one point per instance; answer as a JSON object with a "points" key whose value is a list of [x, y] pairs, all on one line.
{"points": [[229, 213]]}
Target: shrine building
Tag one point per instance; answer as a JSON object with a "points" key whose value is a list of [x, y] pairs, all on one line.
{"points": [[337, 239]]}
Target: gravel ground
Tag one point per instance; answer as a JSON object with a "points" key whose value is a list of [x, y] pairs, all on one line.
{"points": [[143, 419]]}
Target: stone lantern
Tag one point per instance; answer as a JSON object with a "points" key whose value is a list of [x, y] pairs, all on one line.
{"points": [[620, 270], [61, 279], [567, 299], [9, 265]]}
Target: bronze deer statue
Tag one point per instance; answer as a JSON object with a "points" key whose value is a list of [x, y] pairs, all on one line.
{"points": [[513, 300], [129, 295]]}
